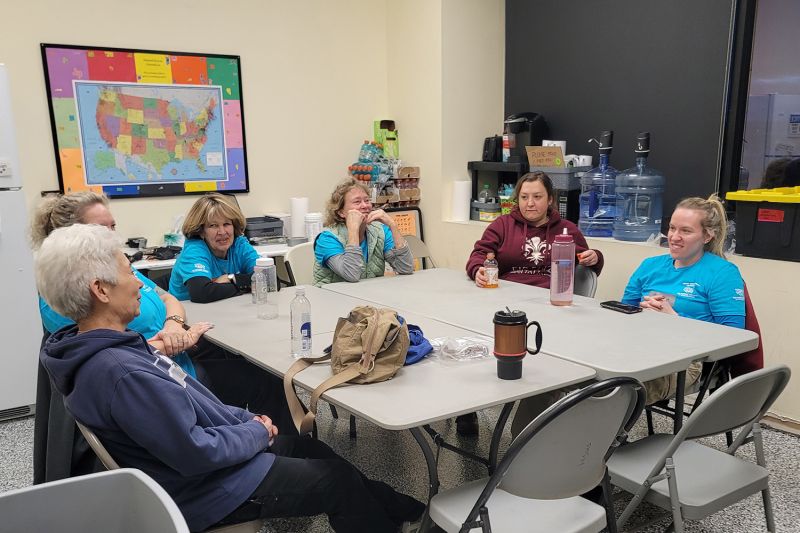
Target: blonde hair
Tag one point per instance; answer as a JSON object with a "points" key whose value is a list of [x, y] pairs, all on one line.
{"points": [[61, 211], [336, 201], [210, 206], [714, 221]]}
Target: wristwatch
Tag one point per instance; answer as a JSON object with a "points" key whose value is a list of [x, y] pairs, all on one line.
{"points": [[179, 319], [232, 278]]}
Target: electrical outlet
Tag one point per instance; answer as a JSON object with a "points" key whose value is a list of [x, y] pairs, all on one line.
{"points": [[5, 168]]}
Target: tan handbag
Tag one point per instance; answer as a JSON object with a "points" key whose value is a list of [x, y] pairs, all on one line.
{"points": [[369, 346]]}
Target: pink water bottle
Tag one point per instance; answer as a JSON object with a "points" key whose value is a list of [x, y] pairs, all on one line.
{"points": [[562, 269]]}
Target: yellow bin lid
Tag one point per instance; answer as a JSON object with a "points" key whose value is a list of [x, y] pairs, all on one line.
{"points": [[782, 195]]}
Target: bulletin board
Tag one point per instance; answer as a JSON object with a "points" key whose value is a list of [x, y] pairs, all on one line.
{"points": [[133, 123]]}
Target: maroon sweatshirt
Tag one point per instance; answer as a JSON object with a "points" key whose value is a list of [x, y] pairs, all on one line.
{"points": [[523, 250]]}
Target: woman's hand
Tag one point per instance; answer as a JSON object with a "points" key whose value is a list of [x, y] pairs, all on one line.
{"points": [[354, 219], [658, 303], [587, 258], [379, 215], [480, 277]]}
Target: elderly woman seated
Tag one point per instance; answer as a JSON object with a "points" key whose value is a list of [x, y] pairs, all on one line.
{"points": [[219, 463]]}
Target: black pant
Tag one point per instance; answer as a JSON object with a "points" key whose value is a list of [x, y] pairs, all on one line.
{"points": [[308, 478], [236, 381]]}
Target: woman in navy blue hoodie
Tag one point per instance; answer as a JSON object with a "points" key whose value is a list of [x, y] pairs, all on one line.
{"points": [[219, 463]]}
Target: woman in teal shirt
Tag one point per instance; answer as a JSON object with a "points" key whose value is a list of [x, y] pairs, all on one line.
{"points": [[694, 280], [216, 261]]}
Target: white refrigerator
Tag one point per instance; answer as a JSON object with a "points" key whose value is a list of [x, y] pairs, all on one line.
{"points": [[20, 325], [772, 131]]}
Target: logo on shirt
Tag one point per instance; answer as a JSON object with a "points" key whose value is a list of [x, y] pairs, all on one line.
{"points": [[534, 250], [689, 290], [739, 294]]}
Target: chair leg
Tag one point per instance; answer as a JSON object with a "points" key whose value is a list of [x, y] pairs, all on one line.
{"points": [[673, 495], [758, 443], [608, 503], [352, 427], [649, 415]]}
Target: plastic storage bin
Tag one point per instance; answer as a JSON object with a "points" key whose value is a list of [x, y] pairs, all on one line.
{"points": [[768, 223]]}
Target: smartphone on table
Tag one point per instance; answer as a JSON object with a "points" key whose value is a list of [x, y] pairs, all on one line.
{"points": [[621, 307]]}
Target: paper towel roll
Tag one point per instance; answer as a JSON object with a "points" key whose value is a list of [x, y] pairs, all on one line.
{"points": [[298, 209], [462, 195]]}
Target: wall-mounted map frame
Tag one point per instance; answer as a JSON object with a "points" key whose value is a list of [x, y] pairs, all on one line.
{"points": [[135, 123]]}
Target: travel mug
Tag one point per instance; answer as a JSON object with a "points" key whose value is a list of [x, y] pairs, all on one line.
{"points": [[511, 342]]}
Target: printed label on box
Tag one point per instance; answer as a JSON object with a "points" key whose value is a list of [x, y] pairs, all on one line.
{"points": [[770, 215]]}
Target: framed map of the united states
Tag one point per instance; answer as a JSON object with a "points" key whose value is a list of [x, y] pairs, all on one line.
{"points": [[145, 123]]}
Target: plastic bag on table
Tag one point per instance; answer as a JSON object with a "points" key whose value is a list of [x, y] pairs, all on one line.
{"points": [[461, 348]]}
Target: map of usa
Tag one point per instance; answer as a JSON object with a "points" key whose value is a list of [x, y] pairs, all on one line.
{"points": [[137, 133]]}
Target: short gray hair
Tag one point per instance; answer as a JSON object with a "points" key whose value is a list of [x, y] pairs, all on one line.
{"points": [[69, 260]]}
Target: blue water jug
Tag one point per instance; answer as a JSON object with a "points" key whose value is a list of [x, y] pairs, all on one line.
{"points": [[640, 197], [598, 199]]}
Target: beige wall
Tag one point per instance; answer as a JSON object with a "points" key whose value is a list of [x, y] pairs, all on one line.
{"points": [[314, 77]]}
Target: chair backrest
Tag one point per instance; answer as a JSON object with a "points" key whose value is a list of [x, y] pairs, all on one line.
{"points": [[299, 261], [563, 451], [585, 281], [122, 501], [419, 249], [739, 403], [98, 447], [754, 359]]}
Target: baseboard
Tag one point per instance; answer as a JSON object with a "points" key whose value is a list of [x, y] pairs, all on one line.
{"points": [[781, 423]]}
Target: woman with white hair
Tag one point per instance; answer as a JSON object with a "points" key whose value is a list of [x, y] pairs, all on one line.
{"points": [[218, 462]]}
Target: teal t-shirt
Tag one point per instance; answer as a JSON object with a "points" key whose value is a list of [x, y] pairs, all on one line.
{"points": [[197, 260], [709, 290], [328, 245], [152, 315]]}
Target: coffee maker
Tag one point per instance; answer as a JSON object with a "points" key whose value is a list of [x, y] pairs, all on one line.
{"points": [[521, 130]]}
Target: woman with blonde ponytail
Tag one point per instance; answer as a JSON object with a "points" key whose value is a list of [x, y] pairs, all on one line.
{"points": [[694, 280]]}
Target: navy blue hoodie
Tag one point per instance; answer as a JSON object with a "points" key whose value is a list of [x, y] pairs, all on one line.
{"points": [[207, 455]]}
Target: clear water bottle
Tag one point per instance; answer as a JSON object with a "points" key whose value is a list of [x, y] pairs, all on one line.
{"points": [[562, 269], [598, 199], [300, 311], [266, 306], [268, 264], [492, 271], [640, 193], [254, 279]]}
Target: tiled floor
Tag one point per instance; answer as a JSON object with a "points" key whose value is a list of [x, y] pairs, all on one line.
{"points": [[394, 457]]}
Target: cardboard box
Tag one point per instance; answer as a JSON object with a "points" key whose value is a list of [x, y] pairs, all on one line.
{"points": [[408, 172]]}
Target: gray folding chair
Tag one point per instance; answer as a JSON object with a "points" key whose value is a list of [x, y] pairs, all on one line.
{"points": [[693, 480], [420, 250], [246, 527], [585, 281], [123, 501], [562, 453]]}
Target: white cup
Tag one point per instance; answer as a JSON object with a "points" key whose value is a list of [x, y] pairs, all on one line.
{"points": [[561, 144], [571, 160], [583, 160]]}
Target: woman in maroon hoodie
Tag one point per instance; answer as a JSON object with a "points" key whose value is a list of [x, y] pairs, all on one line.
{"points": [[521, 244], [521, 240]]}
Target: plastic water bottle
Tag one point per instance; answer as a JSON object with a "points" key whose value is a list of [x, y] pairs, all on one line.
{"points": [[562, 269], [254, 279], [492, 271], [598, 199], [266, 307], [300, 311], [268, 264], [640, 192]]}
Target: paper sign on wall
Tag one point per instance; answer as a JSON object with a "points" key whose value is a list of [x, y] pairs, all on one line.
{"points": [[545, 156]]}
